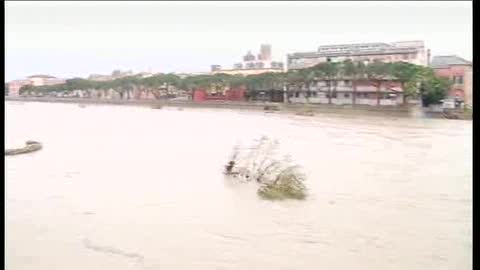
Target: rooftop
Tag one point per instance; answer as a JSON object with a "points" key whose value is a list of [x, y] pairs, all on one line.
{"points": [[366, 51], [42, 76], [358, 49], [446, 61]]}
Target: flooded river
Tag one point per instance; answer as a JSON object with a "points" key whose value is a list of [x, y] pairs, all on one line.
{"points": [[118, 187]]}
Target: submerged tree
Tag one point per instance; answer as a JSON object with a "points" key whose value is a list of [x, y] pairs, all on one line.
{"points": [[278, 177]]}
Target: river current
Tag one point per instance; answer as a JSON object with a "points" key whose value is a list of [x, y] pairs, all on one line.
{"points": [[122, 187]]}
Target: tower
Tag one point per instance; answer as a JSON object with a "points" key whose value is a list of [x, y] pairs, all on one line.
{"points": [[266, 52]]}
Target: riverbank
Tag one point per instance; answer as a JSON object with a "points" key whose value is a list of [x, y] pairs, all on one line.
{"points": [[296, 108]]}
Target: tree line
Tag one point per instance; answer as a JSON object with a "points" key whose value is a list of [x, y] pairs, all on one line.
{"points": [[414, 80]]}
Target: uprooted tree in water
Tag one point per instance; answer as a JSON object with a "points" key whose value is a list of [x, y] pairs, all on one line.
{"points": [[278, 177]]}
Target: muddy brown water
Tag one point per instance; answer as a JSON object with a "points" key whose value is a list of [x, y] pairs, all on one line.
{"points": [[135, 188]]}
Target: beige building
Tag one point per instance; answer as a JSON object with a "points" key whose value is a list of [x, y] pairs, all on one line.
{"points": [[251, 64], [116, 74], [246, 72], [40, 80], [406, 51], [35, 80]]}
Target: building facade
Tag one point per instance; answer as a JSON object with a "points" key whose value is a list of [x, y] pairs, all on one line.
{"points": [[459, 71], [14, 87], [40, 80], [35, 80], [342, 92], [116, 74], [245, 72], [407, 51], [468, 90], [253, 65]]}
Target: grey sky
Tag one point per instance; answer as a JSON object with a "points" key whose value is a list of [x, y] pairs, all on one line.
{"points": [[67, 39]]}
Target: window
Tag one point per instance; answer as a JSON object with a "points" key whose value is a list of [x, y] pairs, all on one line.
{"points": [[347, 83], [346, 95], [459, 80], [404, 56], [297, 94], [314, 93]]}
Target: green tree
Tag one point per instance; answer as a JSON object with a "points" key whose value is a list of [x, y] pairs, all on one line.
{"points": [[294, 81], [329, 71], [355, 71], [409, 76], [377, 72], [432, 88], [26, 89]]}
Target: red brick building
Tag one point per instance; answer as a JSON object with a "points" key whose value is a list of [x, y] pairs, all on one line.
{"points": [[236, 94], [459, 71]]}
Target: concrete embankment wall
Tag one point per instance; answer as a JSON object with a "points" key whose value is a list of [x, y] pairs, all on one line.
{"points": [[317, 108]]}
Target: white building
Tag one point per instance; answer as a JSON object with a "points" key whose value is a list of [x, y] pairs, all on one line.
{"points": [[407, 51]]}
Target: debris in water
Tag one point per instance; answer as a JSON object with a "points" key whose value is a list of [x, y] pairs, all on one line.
{"points": [[30, 146], [287, 184]]}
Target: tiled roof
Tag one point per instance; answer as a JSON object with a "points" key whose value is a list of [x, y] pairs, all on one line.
{"points": [[448, 60]]}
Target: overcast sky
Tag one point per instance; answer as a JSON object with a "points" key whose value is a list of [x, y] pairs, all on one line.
{"points": [[68, 39]]}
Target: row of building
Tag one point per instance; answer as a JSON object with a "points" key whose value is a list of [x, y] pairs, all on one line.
{"points": [[453, 67], [34, 80], [41, 80]]}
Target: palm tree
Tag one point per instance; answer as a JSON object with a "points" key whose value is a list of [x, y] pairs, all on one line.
{"points": [[355, 71], [376, 72], [329, 71], [309, 77], [295, 81]]}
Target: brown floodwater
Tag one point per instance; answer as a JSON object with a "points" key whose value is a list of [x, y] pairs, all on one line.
{"points": [[118, 187]]}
